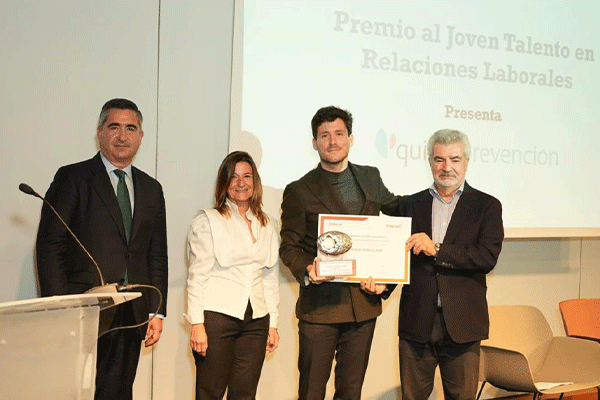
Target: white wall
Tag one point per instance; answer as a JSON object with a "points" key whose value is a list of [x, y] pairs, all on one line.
{"points": [[195, 75], [62, 60]]}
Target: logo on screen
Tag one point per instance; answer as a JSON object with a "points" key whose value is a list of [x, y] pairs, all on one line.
{"points": [[383, 143]]}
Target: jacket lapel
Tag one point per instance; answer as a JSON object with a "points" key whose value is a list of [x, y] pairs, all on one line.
{"points": [[322, 189], [371, 206], [140, 205], [423, 222], [463, 208]]}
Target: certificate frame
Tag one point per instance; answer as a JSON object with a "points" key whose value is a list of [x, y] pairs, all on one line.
{"points": [[378, 248]]}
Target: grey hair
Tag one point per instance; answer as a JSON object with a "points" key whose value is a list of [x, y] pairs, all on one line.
{"points": [[121, 104], [447, 136]]}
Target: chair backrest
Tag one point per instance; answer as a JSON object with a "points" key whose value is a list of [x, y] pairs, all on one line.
{"points": [[581, 318], [520, 328]]}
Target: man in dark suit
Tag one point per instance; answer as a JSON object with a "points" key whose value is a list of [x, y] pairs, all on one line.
{"points": [[457, 237], [118, 213], [335, 319]]}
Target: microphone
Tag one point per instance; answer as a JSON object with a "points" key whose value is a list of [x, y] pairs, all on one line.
{"points": [[103, 288], [25, 188]]}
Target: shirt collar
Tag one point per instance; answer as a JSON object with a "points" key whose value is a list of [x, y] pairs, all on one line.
{"points": [[235, 210], [110, 168], [433, 191]]}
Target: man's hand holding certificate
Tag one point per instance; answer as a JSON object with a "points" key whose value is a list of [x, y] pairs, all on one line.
{"points": [[353, 248]]}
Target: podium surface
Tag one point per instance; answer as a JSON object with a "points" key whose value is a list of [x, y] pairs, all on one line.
{"points": [[48, 345]]}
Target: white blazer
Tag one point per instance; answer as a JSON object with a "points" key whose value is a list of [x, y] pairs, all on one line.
{"points": [[226, 269]]}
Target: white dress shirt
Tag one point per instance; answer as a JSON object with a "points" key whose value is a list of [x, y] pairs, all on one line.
{"points": [[226, 269]]}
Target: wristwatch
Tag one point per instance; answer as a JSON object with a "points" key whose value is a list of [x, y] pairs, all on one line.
{"points": [[437, 249]]}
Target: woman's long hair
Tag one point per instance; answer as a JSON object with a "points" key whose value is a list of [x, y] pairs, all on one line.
{"points": [[224, 177]]}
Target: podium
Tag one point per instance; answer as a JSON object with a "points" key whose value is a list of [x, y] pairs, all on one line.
{"points": [[48, 345]]}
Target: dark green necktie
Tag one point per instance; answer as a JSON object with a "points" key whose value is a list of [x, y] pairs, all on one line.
{"points": [[125, 206], [124, 202]]}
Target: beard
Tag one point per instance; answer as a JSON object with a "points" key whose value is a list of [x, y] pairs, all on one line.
{"points": [[450, 181], [333, 159]]}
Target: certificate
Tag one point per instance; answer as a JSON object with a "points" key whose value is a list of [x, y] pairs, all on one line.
{"points": [[376, 248]]}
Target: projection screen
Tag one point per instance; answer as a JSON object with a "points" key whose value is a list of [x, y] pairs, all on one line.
{"points": [[518, 77]]}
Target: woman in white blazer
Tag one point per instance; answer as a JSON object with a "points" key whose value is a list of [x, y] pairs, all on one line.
{"points": [[233, 284]]}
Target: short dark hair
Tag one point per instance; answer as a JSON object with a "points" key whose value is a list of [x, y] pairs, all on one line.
{"points": [[330, 114], [121, 104]]}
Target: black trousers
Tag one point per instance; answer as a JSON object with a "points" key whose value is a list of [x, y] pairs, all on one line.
{"points": [[349, 343], [234, 358], [118, 356], [458, 362]]}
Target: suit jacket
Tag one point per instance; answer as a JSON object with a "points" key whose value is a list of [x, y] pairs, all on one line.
{"points": [[303, 201], [85, 198], [469, 251]]}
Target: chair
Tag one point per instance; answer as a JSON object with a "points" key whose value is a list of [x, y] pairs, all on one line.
{"points": [[581, 318], [522, 355]]}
